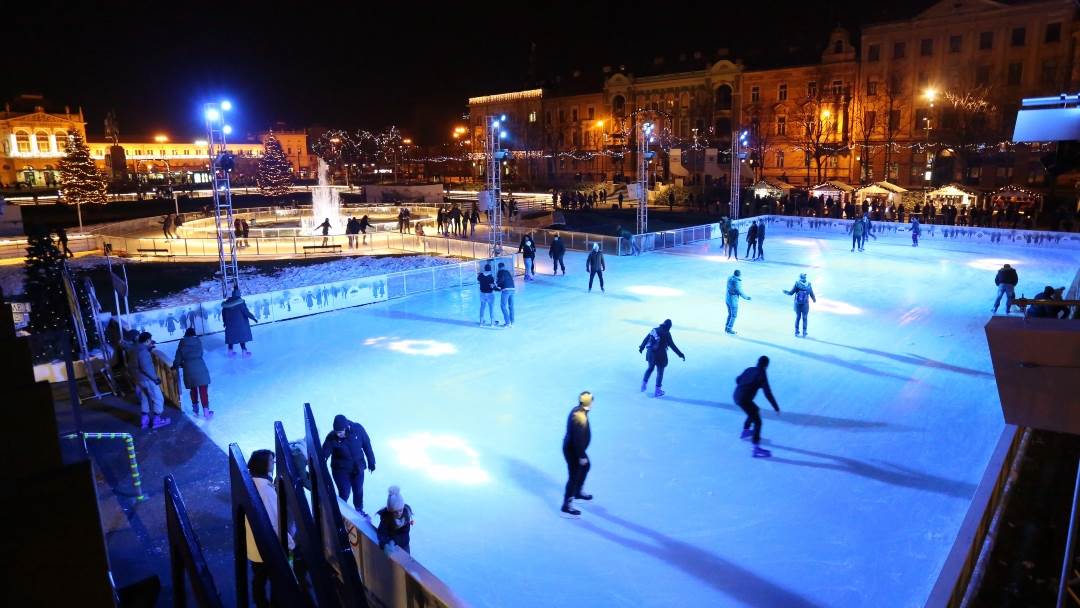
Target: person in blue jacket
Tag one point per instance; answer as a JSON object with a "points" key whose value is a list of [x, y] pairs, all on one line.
{"points": [[235, 315], [734, 293]]}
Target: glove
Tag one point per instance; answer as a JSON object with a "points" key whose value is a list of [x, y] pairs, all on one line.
{"points": [[371, 468], [640, 350]]}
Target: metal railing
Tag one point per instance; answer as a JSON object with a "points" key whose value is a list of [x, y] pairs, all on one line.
{"points": [[186, 562], [1069, 584]]}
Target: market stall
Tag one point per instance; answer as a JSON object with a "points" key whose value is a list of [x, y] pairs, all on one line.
{"points": [[837, 191], [951, 194], [771, 187]]}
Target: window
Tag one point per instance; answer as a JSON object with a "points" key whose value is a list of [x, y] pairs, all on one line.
{"points": [[61, 142], [838, 46], [779, 159], [893, 170], [955, 43], [1004, 172], [684, 101], [781, 125], [1034, 174], [899, 49], [755, 94], [562, 115], [547, 117], [592, 113], [986, 41], [982, 75], [618, 105], [723, 97], [873, 52], [834, 161], [926, 47], [837, 87], [894, 120], [187, 152], [871, 88], [781, 92], [1053, 32], [42, 141], [1018, 36], [922, 115], [811, 89], [1049, 72], [573, 115], [917, 170], [532, 116], [1015, 74]]}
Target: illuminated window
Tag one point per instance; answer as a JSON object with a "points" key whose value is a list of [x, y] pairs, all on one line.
{"points": [[532, 118], [61, 142], [22, 142], [811, 89], [837, 87], [755, 94], [781, 92], [42, 141], [780, 159]]}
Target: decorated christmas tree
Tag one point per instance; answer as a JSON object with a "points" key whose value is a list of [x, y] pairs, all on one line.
{"points": [[44, 284], [275, 172], [80, 180]]}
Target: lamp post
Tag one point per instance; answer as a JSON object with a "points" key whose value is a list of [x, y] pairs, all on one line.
{"points": [[931, 96]]}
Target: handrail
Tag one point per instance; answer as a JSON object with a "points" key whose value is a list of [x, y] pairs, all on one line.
{"points": [[1066, 584], [129, 445], [185, 554], [248, 508]]}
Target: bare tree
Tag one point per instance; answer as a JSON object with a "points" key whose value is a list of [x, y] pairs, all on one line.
{"points": [[968, 124]]}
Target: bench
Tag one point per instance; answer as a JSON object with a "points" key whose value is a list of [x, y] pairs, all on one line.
{"points": [[332, 248], [156, 251]]}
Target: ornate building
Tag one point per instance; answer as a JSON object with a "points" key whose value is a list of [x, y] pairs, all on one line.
{"points": [[34, 140]]}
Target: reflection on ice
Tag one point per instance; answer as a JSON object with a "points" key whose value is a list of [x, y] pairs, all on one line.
{"points": [[836, 307], [441, 457], [991, 263], [655, 290]]}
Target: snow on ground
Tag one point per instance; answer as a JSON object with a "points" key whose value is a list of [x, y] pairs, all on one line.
{"points": [[13, 274]]}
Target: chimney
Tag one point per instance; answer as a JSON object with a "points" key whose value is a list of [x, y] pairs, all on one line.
{"points": [[67, 109]]}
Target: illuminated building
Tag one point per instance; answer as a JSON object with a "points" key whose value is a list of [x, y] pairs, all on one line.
{"points": [[34, 141]]}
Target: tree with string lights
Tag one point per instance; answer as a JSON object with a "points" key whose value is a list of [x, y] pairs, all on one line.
{"points": [[275, 172], [80, 180]]}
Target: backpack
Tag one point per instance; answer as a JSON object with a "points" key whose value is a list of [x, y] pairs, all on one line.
{"points": [[802, 296], [652, 340]]}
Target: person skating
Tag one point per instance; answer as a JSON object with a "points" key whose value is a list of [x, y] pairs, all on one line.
{"points": [[746, 388], [655, 346], [916, 230], [364, 224], [733, 242], [868, 230], [760, 241], [236, 316], [751, 240], [149, 384], [803, 293], [395, 521], [857, 228], [504, 282], [352, 228], [349, 450], [487, 295], [1006, 281], [166, 225], [189, 357], [574, 446], [527, 249], [325, 227], [734, 293], [474, 219], [557, 250], [595, 266]]}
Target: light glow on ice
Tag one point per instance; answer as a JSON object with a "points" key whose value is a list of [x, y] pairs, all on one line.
{"points": [[717, 258], [655, 290], [836, 307], [453, 459], [991, 263], [426, 348], [802, 242]]}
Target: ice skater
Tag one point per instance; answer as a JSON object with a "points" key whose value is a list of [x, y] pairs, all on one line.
{"points": [[734, 293], [733, 242], [857, 228], [751, 240], [803, 292], [395, 521], [527, 249], [574, 446], [595, 266], [364, 224], [349, 449], [868, 230], [557, 250], [746, 388], [628, 236], [487, 295], [504, 282], [189, 356], [62, 237], [1006, 281], [655, 346], [149, 384], [325, 227], [760, 241], [236, 316], [916, 230]]}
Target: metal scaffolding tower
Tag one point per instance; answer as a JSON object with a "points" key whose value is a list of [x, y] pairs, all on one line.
{"points": [[221, 164], [644, 155], [738, 155], [495, 156]]}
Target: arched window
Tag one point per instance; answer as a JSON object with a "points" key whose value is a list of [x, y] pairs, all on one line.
{"points": [[684, 101], [723, 97], [42, 141], [22, 141], [61, 141], [618, 106]]}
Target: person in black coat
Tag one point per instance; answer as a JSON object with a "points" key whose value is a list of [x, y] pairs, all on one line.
{"points": [[527, 249], [1006, 280], [751, 240], [760, 241], [395, 521], [557, 251], [595, 266], [574, 446], [733, 242], [656, 343], [746, 387], [349, 450]]}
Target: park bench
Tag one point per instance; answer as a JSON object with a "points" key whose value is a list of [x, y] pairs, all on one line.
{"points": [[156, 252], [318, 248]]}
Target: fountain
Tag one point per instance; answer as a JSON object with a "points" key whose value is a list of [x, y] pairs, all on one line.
{"points": [[325, 203]]}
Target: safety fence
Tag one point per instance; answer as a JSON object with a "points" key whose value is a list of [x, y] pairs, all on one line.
{"points": [[1069, 583], [129, 446], [187, 564]]}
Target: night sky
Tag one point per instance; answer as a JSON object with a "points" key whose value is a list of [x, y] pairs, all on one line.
{"points": [[373, 63]]}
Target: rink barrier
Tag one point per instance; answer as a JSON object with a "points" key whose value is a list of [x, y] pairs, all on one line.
{"points": [[187, 565], [129, 446], [960, 564]]}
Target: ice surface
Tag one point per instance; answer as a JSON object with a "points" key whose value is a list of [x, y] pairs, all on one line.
{"points": [[889, 415]]}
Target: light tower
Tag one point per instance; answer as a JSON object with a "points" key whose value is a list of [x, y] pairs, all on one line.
{"points": [[495, 154], [221, 164], [644, 156], [738, 154]]}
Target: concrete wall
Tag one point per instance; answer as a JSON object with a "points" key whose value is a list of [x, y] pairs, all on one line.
{"points": [[402, 193]]}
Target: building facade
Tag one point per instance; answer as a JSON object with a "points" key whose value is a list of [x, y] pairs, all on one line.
{"points": [[33, 140]]}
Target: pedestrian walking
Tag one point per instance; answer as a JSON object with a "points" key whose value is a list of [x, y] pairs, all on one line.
{"points": [[189, 357], [574, 447], [504, 282], [803, 293], [760, 240], [487, 294], [349, 449], [1006, 280], [916, 230], [149, 384], [236, 316], [557, 250], [734, 293], [395, 521], [527, 249], [595, 266], [746, 387], [751, 240], [655, 346]]}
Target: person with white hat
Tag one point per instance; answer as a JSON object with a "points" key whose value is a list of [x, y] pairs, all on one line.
{"points": [[395, 521], [575, 442]]}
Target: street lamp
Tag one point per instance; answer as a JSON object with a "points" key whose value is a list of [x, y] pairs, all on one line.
{"points": [[161, 139], [930, 95]]}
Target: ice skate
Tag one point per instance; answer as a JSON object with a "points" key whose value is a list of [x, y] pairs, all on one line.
{"points": [[232, 353], [566, 508], [208, 413], [658, 393], [644, 385], [746, 434], [195, 410], [760, 452], [583, 496], [796, 333], [730, 331], [247, 353], [160, 421], [145, 423]]}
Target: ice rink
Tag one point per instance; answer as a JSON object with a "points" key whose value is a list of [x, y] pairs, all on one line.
{"points": [[889, 415]]}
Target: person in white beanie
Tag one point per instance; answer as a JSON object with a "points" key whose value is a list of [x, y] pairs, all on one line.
{"points": [[395, 521]]}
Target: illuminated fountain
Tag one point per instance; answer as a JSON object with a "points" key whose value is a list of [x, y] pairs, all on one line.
{"points": [[325, 203]]}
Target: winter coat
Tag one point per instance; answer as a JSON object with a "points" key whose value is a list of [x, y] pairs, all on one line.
{"points": [[658, 353], [351, 453], [857, 228], [486, 281], [189, 356], [734, 290], [748, 383], [527, 247], [733, 235], [390, 530], [578, 434], [144, 369], [557, 249], [802, 285], [751, 234], [595, 263], [269, 497], [916, 228], [761, 232], [235, 316], [364, 224], [504, 280], [1007, 276]]}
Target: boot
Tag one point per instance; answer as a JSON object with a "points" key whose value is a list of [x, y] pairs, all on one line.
{"points": [[658, 392], [160, 421], [760, 452], [208, 413], [566, 508], [247, 353], [195, 409], [145, 422], [232, 353], [583, 496]]}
